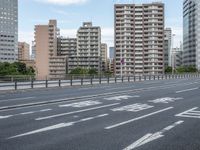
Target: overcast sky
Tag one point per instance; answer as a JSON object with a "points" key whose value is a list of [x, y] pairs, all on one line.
{"points": [[71, 13]]}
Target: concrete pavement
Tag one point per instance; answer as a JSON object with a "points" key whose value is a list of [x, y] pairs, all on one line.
{"points": [[149, 115]]}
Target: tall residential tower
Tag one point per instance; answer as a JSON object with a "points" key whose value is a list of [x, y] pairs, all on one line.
{"points": [[139, 38]]}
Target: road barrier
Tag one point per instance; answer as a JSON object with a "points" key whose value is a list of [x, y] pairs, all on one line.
{"points": [[89, 81]]}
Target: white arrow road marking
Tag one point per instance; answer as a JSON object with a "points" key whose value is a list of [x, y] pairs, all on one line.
{"points": [[74, 112], [151, 137], [57, 126], [118, 98], [191, 113], [135, 119]]}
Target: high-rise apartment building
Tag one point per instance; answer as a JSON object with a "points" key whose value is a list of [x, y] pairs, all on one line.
{"points": [[67, 46], [46, 47], [8, 30], [23, 51], [104, 57], [191, 33], [167, 46], [139, 38], [88, 48]]}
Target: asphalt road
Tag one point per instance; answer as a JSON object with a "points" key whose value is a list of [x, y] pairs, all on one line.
{"points": [[149, 115]]}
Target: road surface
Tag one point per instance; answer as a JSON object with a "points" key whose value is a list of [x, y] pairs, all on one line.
{"points": [[149, 115]]}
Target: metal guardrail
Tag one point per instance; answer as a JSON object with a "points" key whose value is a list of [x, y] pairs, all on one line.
{"points": [[88, 81]]}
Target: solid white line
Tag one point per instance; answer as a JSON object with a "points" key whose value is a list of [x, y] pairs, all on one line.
{"points": [[135, 119], [61, 125], [17, 99], [5, 117], [187, 90], [74, 112]]}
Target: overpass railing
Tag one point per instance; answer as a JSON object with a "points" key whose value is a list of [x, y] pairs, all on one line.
{"points": [[18, 85]]}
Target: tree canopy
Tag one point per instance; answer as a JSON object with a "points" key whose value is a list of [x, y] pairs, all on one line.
{"points": [[16, 68], [82, 71], [182, 69]]}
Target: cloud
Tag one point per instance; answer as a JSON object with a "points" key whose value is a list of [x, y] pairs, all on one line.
{"points": [[64, 13], [63, 2]]}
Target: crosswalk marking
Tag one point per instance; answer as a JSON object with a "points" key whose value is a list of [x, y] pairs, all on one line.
{"points": [[133, 108], [191, 113]]}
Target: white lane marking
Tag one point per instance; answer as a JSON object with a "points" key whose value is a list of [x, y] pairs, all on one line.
{"points": [[118, 98], [58, 126], [87, 119], [24, 113], [187, 90], [61, 125], [191, 113], [135, 119], [5, 117], [17, 99], [133, 108], [151, 137], [27, 113], [44, 110], [81, 104], [165, 100], [74, 112]]}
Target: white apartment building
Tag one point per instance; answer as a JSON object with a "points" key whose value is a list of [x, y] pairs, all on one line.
{"points": [[139, 39], [88, 48]]}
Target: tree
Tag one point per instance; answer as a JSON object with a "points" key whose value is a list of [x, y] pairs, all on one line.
{"points": [[168, 69], [78, 71], [16, 68], [92, 71]]}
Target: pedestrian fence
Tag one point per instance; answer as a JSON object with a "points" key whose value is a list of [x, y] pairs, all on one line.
{"points": [[17, 85]]}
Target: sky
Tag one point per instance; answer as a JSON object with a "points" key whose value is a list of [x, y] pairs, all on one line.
{"points": [[70, 15]]}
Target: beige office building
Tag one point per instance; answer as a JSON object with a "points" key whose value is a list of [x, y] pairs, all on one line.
{"points": [[139, 39], [45, 47], [23, 51]]}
